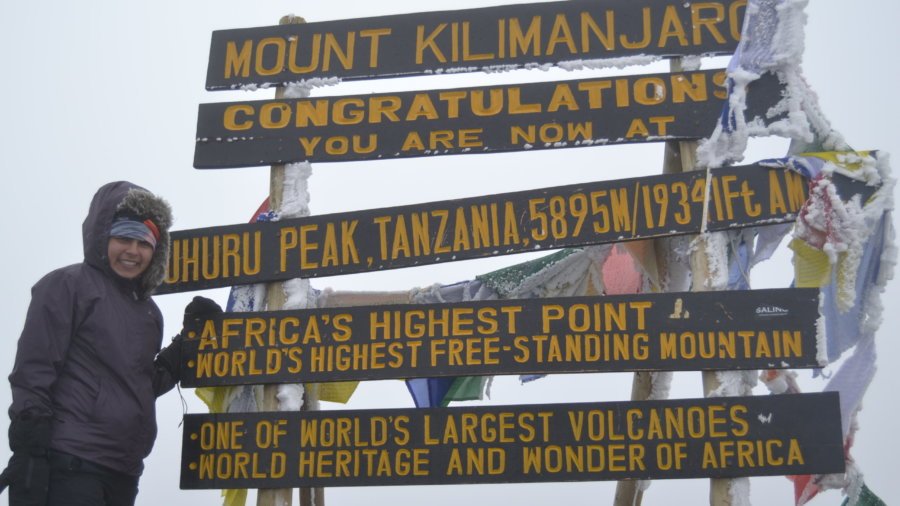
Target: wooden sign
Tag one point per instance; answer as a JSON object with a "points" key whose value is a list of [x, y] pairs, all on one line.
{"points": [[689, 438], [487, 39], [514, 117], [443, 231], [754, 329]]}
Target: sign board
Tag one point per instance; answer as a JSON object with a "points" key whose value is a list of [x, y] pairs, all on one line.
{"points": [[688, 438], [753, 329], [512, 117], [443, 231], [486, 39]]}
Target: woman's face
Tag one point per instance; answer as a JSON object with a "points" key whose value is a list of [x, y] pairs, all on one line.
{"points": [[129, 258]]}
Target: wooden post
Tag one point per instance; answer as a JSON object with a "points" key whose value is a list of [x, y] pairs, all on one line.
{"points": [[275, 299], [679, 156], [685, 154], [627, 491]]}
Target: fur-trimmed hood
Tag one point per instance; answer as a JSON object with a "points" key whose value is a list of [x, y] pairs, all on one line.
{"points": [[125, 197]]}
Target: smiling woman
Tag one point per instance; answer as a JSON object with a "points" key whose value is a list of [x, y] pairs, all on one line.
{"points": [[131, 246], [129, 258], [86, 377]]}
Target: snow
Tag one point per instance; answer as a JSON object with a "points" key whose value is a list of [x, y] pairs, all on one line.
{"points": [[884, 203], [740, 492], [716, 251], [460, 70], [734, 383], [660, 385], [839, 230], [772, 41], [295, 204], [691, 63], [779, 381], [821, 335], [608, 63], [561, 278], [678, 274], [853, 484], [500, 68], [290, 397], [318, 82], [570, 65]]}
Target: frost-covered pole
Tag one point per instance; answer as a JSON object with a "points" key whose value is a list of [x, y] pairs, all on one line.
{"points": [[678, 157], [630, 492], [275, 300], [682, 156], [719, 488]]}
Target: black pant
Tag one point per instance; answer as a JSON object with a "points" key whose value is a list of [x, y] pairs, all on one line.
{"points": [[77, 482]]}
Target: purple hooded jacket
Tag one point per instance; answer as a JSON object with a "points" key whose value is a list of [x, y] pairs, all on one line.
{"points": [[86, 353]]}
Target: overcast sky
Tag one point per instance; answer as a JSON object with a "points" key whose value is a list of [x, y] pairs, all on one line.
{"points": [[100, 91]]}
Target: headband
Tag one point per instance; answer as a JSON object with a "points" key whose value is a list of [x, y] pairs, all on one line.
{"points": [[129, 228]]}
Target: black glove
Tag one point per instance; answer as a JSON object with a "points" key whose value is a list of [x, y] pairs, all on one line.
{"points": [[28, 471], [198, 310], [28, 478]]}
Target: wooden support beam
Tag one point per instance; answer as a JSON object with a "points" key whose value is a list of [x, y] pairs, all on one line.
{"points": [[275, 299], [679, 156]]}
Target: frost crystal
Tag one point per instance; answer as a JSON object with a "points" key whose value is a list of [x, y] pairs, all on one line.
{"points": [[771, 41], [607, 63]]}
